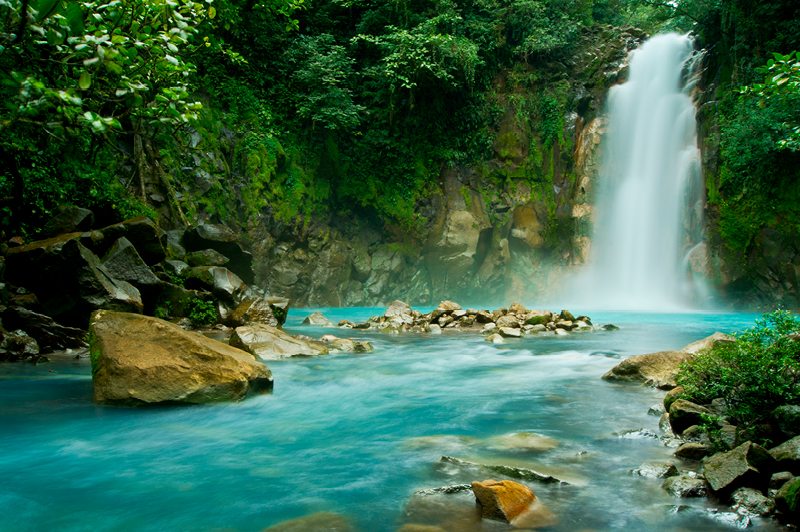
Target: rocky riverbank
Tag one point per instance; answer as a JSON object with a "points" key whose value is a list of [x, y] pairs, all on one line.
{"points": [[512, 322], [718, 458]]}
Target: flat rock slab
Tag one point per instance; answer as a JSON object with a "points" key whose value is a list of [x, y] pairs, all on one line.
{"points": [[269, 343], [143, 360]]}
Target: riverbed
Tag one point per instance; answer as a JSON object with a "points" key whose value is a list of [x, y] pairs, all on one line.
{"points": [[355, 434]]}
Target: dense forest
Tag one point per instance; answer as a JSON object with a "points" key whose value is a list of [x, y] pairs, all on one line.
{"points": [[352, 106]]}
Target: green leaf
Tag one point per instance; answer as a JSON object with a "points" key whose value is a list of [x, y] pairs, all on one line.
{"points": [[212, 12], [86, 80], [75, 18], [46, 8]]}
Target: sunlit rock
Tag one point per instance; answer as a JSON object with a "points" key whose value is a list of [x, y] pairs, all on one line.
{"points": [[513, 503], [654, 369], [494, 339], [269, 343], [317, 319], [143, 360]]}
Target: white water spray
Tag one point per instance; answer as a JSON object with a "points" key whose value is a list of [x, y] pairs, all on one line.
{"points": [[651, 157]]}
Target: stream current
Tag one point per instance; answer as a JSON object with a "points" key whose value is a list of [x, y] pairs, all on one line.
{"points": [[354, 434]]}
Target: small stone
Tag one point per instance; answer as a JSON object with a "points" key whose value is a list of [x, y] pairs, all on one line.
{"points": [[609, 327], [686, 486], [560, 332], [494, 339], [779, 479], [693, 451], [657, 470], [435, 329], [656, 410], [510, 332]]}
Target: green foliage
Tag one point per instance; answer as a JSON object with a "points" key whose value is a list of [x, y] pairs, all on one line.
{"points": [[323, 75], [781, 90], [202, 313], [754, 375], [164, 311]]}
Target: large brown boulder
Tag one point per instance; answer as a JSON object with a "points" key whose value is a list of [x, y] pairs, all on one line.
{"points": [[512, 503], [143, 360], [748, 465], [653, 369], [269, 343]]}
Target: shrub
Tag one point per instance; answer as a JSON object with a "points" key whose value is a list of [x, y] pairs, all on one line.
{"points": [[754, 375], [202, 312]]}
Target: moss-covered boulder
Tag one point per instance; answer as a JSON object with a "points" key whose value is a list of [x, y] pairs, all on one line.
{"points": [[787, 500], [143, 360], [683, 414], [748, 465]]}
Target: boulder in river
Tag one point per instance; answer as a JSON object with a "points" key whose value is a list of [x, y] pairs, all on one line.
{"points": [[707, 342], [693, 451], [512, 503], [656, 470], [520, 473], [143, 360], [318, 319], [748, 465], [269, 343], [653, 369], [750, 502]]}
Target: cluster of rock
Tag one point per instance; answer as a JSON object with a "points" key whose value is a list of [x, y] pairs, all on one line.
{"points": [[512, 322], [754, 480], [52, 286]]}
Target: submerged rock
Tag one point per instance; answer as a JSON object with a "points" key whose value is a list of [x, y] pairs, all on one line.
{"points": [[494, 339], [269, 343], [143, 360], [512, 503], [521, 441], [521, 473], [318, 522]]}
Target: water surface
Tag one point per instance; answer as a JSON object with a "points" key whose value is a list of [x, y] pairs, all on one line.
{"points": [[353, 434]]}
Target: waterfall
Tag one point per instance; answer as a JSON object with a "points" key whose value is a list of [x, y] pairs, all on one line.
{"points": [[650, 160]]}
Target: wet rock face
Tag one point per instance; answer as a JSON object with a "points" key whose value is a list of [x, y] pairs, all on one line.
{"points": [[224, 241], [269, 343], [143, 360], [686, 486]]}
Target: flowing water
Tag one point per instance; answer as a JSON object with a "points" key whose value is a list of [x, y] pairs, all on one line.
{"points": [[354, 434], [651, 165]]}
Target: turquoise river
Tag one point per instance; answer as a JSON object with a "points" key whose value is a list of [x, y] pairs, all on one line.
{"points": [[356, 435]]}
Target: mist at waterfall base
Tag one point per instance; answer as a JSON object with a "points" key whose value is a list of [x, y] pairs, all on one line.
{"points": [[357, 435], [648, 189]]}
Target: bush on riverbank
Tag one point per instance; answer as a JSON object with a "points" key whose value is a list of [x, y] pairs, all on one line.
{"points": [[753, 376]]}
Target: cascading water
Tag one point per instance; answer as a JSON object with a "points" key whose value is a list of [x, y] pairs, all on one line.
{"points": [[650, 161]]}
